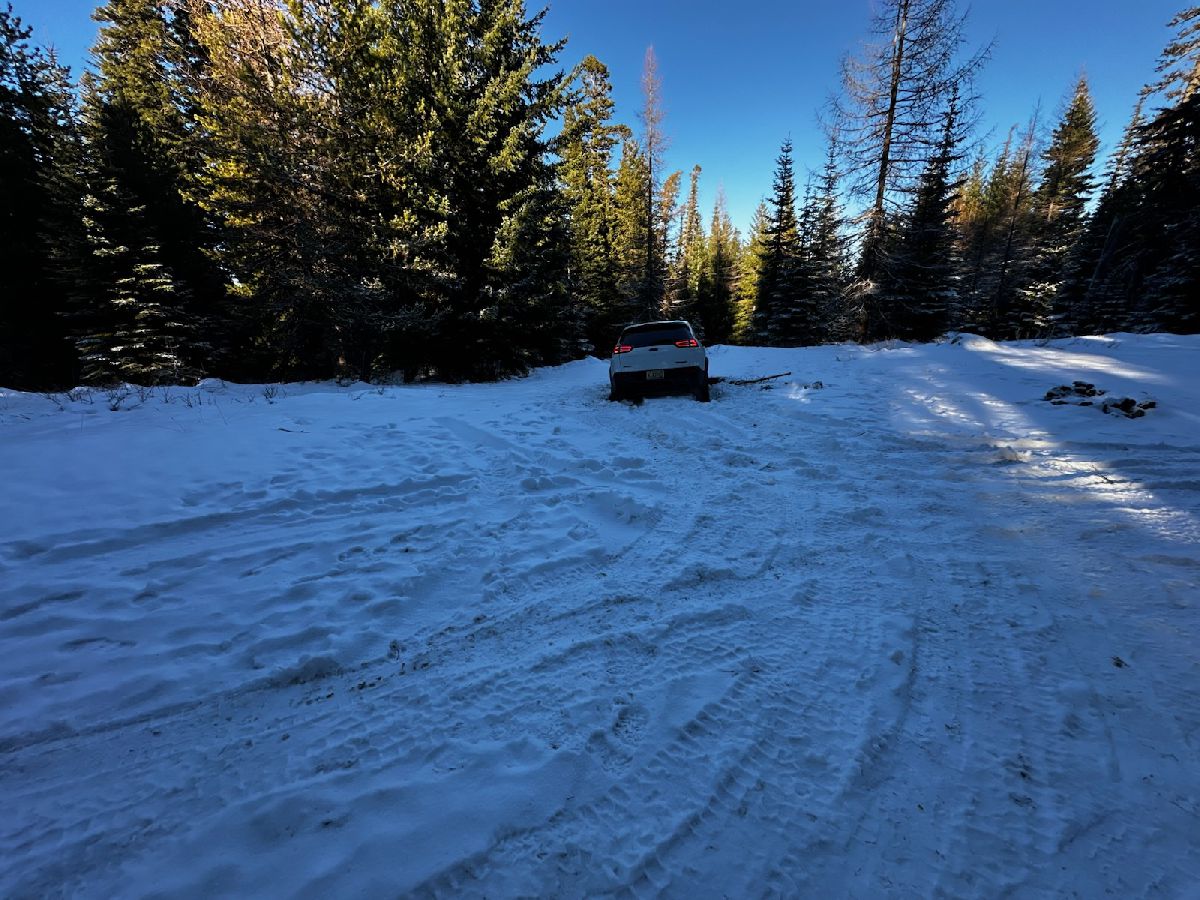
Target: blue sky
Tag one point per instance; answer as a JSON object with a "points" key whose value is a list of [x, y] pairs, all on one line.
{"points": [[740, 77]]}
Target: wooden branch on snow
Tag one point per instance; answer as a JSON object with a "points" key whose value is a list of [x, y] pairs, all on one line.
{"points": [[758, 380]]}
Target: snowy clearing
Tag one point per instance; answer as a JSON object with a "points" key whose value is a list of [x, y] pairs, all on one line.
{"points": [[915, 632]]}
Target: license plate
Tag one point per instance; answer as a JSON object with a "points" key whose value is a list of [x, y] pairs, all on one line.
{"points": [[654, 374]]}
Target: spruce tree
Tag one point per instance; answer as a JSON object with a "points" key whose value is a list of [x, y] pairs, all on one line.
{"points": [[827, 252], [807, 325], [1095, 298], [499, 175], [1166, 173], [1169, 167], [38, 213], [978, 213], [922, 274], [667, 235], [1058, 214], [1137, 260], [715, 297], [587, 146], [778, 320], [1002, 254], [749, 271], [688, 262], [413, 219], [157, 293], [268, 184], [633, 233]]}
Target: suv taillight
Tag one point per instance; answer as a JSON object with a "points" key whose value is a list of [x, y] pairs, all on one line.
{"points": [[690, 342], [621, 348]]}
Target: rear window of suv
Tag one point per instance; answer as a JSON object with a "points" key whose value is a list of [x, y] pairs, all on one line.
{"points": [[655, 335]]}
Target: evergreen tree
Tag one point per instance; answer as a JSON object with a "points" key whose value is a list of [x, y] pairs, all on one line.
{"points": [[268, 183], [1137, 261], [1166, 173], [832, 319], [407, 224], [657, 190], [888, 110], [38, 149], [535, 323], [1001, 247], [921, 275], [1058, 214], [633, 233], [470, 92], [807, 323], [587, 147], [688, 263], [777, 316], [715, 296], [1094, 294], [507, 109], [157, 293], [646, 206], [749, 273], [666, 239], [978, 211]]}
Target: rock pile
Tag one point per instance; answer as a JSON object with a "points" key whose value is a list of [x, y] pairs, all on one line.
{"points": [[1081, 393]]}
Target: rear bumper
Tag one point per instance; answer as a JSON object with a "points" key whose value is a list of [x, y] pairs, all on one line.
{"points": [[685, 378]]}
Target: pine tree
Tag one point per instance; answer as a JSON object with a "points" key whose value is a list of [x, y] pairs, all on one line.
{"points": [[587, 147], [1003, 249], [777, 317], [978, 211], [267, 181], [158, 293], [688, 262], [38, 150], [633, 233], [806, 322], [1095, 293], [1137, 261], [1166, 172], [499, 173], [888, 110], [832, 319], [749, 273], [667, 233], [657, 190], [413, 220], [921, 274], [715, 296], [1058, 214], [534, 322]]}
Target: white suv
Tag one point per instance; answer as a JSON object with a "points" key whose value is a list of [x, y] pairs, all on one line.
{"points": [[658, 357]]}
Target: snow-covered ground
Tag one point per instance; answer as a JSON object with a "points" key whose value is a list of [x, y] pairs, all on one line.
{"points": [[912, 632]]}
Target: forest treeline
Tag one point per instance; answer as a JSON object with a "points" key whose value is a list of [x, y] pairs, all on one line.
{"points": [[286, 189]]}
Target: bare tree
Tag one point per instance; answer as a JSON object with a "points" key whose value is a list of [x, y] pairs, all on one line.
{"points": [[891, 106], [654, 145]]}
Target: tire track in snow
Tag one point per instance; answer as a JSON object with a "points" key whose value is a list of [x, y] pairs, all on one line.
{"points": [[691, 707]]}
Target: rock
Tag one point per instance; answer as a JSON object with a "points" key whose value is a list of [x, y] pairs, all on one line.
{"points": [[1125, 406], [1128, 407]]}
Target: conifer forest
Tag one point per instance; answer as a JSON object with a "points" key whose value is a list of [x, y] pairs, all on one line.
{"points": [[263, 190]]}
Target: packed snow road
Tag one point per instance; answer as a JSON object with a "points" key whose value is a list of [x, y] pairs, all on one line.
{"points": [[891, 625]]}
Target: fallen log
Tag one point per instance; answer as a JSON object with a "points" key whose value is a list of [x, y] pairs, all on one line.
{"points": [[758, 380]]}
